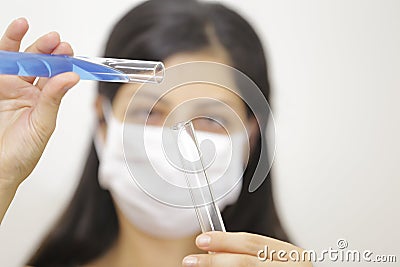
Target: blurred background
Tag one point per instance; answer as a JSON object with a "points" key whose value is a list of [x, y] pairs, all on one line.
{"points": [[335, 73]]}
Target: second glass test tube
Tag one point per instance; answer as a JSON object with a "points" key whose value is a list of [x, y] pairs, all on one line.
{"points": [[208, 213]]}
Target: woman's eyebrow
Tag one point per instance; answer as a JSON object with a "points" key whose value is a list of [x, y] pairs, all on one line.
{"points": [[223, 103], [205, 102], [150, 95]]}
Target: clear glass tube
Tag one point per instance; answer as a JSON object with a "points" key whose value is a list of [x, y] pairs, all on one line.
{"points": [[122, 70], [208, 213], [88, 68]]}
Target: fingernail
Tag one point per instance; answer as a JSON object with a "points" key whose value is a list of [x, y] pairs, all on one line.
{"points": [[53, 34], [190, 261], [20, 19], [203, 240]]}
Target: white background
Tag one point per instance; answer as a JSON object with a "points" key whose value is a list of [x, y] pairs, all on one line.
{"points": [[335, 71]]}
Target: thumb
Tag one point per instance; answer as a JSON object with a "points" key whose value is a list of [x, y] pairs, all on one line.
{"points": [[45, 113]]}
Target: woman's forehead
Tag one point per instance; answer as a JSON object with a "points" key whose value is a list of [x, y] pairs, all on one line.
{"points": [[186, 92], [181, 94]]}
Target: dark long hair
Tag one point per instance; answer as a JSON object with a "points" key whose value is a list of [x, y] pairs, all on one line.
{"points": [[155, 30]]}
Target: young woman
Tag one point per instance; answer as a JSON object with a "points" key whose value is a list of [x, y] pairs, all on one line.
{"points": [[102, 226]]}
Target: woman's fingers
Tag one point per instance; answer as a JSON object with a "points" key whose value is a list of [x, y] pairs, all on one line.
{"points": [[226, 259], [242, 249], [242, 243], [45, 113], [44, 45], [63, 48], [11, 40], [47, 44]]}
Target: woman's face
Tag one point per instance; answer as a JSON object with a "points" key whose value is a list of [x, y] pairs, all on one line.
{"points": [[217, 109]]}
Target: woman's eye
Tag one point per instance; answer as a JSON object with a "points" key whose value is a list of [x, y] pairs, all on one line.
{"points": [[155, 113], [154, 116], [151, 116], [216, 125]]}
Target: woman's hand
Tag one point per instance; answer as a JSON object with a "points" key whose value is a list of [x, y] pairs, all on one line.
{"points": [[243, 249], [28, 110]]}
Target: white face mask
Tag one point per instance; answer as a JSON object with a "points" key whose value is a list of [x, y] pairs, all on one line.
{"points": [[146, 213]]}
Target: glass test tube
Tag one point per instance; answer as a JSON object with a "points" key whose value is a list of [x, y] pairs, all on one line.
{"points": [[120, 70], [207, 212], [88, 68]]}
